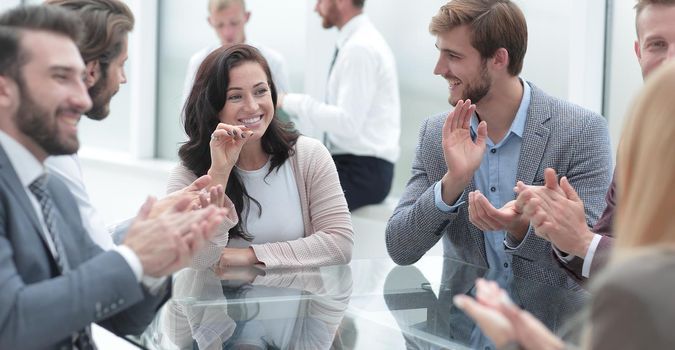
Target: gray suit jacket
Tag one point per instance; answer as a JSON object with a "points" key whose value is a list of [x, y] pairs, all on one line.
{"points": [[559, 135], [39, 308]]}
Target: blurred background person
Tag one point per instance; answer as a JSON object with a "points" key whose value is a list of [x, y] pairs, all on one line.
{"points": [[360, 117], [228, 19]]}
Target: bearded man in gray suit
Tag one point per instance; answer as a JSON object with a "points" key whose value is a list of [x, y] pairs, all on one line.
{"points": [[503, 129], [54, 281]]}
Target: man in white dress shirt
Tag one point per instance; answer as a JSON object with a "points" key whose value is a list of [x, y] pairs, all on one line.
{"points": [[361, 115], [228, 19]]}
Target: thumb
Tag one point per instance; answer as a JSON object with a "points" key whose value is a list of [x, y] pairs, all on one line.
{"points": [[481, 135], [551, 179], [146, 208], [570, 193], [200, 183]]}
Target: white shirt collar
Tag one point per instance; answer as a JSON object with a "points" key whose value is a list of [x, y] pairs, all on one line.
{"points": [[26, 166], [350, 27]]}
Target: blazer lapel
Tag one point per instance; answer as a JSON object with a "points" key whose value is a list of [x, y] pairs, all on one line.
{"points": [[12, 182], [535, 136]]}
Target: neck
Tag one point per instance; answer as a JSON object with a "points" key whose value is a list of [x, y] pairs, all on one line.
{"points": [[499, 107], [26, 142], [348, 17], [252, 157]]}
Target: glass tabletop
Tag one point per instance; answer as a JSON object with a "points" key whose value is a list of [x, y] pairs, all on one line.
{"points": [[368, 304]]}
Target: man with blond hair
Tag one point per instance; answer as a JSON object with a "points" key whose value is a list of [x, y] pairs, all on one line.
{"points": [[503, 129], [228, 19]]}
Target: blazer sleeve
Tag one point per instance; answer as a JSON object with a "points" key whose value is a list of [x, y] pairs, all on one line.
{"points": [[416, 224], [37, 315], [330, 238]]}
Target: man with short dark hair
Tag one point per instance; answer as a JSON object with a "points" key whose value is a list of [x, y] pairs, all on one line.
{"points": [[555, 209], [54, 281], [361, 115], [503, 129]]}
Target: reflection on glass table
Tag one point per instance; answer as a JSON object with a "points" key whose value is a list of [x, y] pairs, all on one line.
{"points": [[368, 304]]}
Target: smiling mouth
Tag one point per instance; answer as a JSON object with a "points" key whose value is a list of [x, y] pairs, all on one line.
{"points": [[252, 120], [453, 83]]}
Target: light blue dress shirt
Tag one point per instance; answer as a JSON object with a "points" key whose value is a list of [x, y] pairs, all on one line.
{"points": [[495, 178]]}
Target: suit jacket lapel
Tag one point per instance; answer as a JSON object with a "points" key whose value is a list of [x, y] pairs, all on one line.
{"points": [[11, 179], [535, 136]]}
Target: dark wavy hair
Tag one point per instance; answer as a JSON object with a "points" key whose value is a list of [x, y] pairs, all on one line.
{"points": [[206, 100]]}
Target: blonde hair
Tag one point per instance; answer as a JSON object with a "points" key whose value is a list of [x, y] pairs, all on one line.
{"points": [[646, 169], [217, 5]]}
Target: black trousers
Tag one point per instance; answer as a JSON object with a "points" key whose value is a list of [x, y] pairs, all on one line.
{"points": [[365, 180]]}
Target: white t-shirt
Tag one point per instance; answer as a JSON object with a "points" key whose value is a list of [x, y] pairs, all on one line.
{"points": [[277, 193]]}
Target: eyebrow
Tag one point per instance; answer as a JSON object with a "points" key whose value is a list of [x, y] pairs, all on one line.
{"points": [[62, 69], [254, 86], [449, 51]]}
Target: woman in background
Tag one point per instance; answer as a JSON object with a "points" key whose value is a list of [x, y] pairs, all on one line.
{"points": [[290, 207], [632, 305]]}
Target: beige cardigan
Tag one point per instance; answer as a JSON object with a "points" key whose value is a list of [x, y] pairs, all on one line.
{"points": [[328, 233]]}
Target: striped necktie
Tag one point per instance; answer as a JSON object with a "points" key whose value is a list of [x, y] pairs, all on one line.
{"points": [[81, 339]]}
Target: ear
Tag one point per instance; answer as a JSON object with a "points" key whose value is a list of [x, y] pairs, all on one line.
{"points": [[92, 73], [247, 16], [8, 91], [638, 53], [501, 58]]}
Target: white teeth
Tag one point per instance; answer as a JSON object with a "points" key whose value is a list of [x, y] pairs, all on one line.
{"points": [[251, 120]]}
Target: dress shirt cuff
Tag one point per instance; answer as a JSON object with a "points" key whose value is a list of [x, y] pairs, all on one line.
{"points": [[441, 205], [586, 268], [154, 285], [511, 243], [132, 259], [564, 257]]}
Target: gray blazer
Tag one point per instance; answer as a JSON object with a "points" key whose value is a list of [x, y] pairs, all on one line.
{"points": [[559, 135], [39, 308]]}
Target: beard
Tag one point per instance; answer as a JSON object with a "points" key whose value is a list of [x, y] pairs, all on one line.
{"points": [[329, 18], [477, 89], [36, 122], [100, 98]]}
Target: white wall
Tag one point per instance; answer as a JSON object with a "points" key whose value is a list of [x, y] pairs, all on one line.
{"points": [[8, 4], [624, 78]]}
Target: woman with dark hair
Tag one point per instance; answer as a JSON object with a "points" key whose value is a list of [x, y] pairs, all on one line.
{"points": [[290, 207]]}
